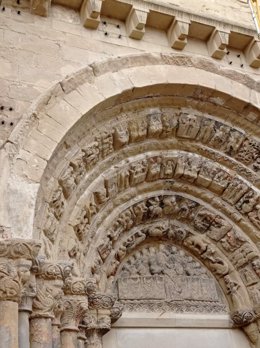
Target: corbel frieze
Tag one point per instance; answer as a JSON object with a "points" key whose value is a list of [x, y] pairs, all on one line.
{"points": [[135, 23], [178, 33], [40, 7], [217, 43], [90, 13]]}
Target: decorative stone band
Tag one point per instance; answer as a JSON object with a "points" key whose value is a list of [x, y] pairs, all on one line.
{"points": [[101, 301], [51, 270], [140, 13], [19, 249], [78, 286]]}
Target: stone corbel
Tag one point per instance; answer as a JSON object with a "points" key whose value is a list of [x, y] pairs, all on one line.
{"points": [[217, 43], [247, 320], [40, 7], [178, 33], [90, 13], [135, 23], [252, 54]]}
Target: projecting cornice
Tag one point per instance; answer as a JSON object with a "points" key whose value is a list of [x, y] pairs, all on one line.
{"points": [[179, 25]]}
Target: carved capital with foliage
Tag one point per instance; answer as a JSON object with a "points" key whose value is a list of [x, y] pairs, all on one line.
{"points": [[10, 285], [50, 278]]}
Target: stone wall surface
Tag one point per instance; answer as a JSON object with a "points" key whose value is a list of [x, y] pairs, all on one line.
{"points": [[165, 338], [130, 152], [234, 11], [36, 52]]}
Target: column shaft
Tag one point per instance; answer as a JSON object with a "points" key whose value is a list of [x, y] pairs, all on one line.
{"points": [[69, 339], [56, 336], [41, 333], [24, 329], [8, 324]]}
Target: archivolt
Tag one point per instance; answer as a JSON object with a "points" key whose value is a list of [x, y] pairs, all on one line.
{"points": [[144, 130]]}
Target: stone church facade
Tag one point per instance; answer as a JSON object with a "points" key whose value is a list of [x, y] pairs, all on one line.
{"points": [[130, 174]]}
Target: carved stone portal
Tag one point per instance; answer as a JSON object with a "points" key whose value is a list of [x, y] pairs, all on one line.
{"points": [[163, 277]]}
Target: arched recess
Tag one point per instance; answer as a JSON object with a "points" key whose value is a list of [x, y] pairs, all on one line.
{"points": [[159, 139]]}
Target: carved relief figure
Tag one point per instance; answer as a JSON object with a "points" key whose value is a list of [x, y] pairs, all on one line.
{"points": [[168, 168], [121, 136], [67, 181], [169, 124], [188, 127], [138, 130], [91, 154], [154, 125], [154, 169], [160, 274], [138, 172], [235, 190]]}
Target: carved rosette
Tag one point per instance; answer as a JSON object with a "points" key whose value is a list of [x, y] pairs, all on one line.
{"points": [[16, 257]]}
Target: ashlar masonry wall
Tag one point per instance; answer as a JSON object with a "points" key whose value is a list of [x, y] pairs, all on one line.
{"points": [[36, 52]]}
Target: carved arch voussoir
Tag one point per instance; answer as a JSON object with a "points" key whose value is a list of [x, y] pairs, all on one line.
{"points": [[68, 95]]}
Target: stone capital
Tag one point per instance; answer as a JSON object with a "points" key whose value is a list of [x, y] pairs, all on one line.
{"points": [[10, 284], [16, 258], [75, 308], [75, 303], [50, 278], [98, 321], [48, 270], [75, 286], [101, 301]]}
